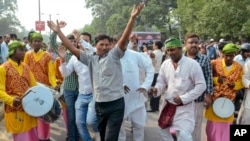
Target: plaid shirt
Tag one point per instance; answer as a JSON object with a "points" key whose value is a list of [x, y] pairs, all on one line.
{"points": [[206, 67], [70, 83]]}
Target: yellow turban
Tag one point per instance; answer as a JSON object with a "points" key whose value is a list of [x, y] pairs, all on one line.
{"points": [[173, 43], [15, 45], [36, 35], [230, 48]]}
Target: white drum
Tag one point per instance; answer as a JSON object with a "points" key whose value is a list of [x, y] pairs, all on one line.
{"points": [[39, 101], [55, 93], [223, 107]]}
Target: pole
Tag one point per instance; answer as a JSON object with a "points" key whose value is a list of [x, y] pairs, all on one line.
{"points": [[39, 12], [49, 20]]}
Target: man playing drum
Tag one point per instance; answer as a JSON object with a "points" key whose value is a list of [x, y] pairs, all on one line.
{"points": [[15, 79], [40, 63], [227, 79]]}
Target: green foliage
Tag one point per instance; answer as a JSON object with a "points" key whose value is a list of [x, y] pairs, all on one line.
{"points": [[8, 20], [209, 19], [114, 24], [112, 15], [214, 18]]}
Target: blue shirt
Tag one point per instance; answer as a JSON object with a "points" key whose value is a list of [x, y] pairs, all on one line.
{"points": [[4, 51]]}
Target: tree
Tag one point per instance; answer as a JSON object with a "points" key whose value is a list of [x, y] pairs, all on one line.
{"points": [[113, 15], [214, 18], [8, 20]]}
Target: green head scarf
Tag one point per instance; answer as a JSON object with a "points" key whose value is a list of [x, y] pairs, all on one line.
{"points": [[15, 45], [173, 43], [36, 35], [230, 48]]}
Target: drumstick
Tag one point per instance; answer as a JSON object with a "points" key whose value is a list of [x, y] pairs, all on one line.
{"points": [[223, 103], [28, 93]]}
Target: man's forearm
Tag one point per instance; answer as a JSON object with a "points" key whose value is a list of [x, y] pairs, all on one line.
{"points": [[126, 34]]}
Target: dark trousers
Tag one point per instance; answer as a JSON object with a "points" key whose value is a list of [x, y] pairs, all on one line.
{"points": [[110, 117], [154, 101], [238, 99]]}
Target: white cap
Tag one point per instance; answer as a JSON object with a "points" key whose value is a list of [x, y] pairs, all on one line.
{"points": [[211, 40], [221, 40]]}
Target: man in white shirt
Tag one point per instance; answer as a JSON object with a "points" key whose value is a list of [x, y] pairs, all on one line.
{"points": [[135, 110], [84, 105], [155, 101], [241, 58], [182, 81], [244, 55]]}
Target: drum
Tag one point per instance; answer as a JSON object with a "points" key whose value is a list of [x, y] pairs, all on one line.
{"points": [[54, 113], [223, 107], [61, 98], [55, 93], [40, 102]]}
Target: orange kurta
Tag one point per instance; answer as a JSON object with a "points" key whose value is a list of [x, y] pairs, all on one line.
{"points": [[234, 74], [42, 67], [15, 80]]}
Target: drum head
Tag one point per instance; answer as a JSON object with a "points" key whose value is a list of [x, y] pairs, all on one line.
{"points": [[223, 107], [38, 101]]}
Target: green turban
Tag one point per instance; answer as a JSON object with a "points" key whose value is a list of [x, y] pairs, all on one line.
{"points": [[230, 48], [36, 35], [13, 46], [173, 43]]}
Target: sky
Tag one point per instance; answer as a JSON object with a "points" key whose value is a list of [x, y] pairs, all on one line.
{"points": [[73, 12]]}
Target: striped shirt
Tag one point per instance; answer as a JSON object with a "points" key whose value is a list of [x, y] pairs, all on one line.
{"points": [[70, 83], [206, 67]]}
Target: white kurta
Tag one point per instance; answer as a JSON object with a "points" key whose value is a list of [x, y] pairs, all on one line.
{"points": [[244, 113], [132, 62], [188, 82]]}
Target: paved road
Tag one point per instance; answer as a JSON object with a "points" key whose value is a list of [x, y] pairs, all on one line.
{"points": [[58, 131]]}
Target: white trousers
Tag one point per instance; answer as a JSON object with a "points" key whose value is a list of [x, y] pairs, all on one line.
{"points": [[137, 131], [165, 135]]}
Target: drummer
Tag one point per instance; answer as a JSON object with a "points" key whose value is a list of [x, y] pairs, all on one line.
{"points": [[15, 79], [40, 63], [227, 76]]}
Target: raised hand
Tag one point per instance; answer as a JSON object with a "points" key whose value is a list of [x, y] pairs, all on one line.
{"points": [[137, 9], [54, 26], [76, 34], [62, 24]]}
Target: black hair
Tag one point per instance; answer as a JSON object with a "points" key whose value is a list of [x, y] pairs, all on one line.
{"points": [[13, 35], [221, 45], [159, 44], [101, 37], [87, 34]]}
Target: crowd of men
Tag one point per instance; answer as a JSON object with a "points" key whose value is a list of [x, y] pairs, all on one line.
{"points": [[108, 83]]}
